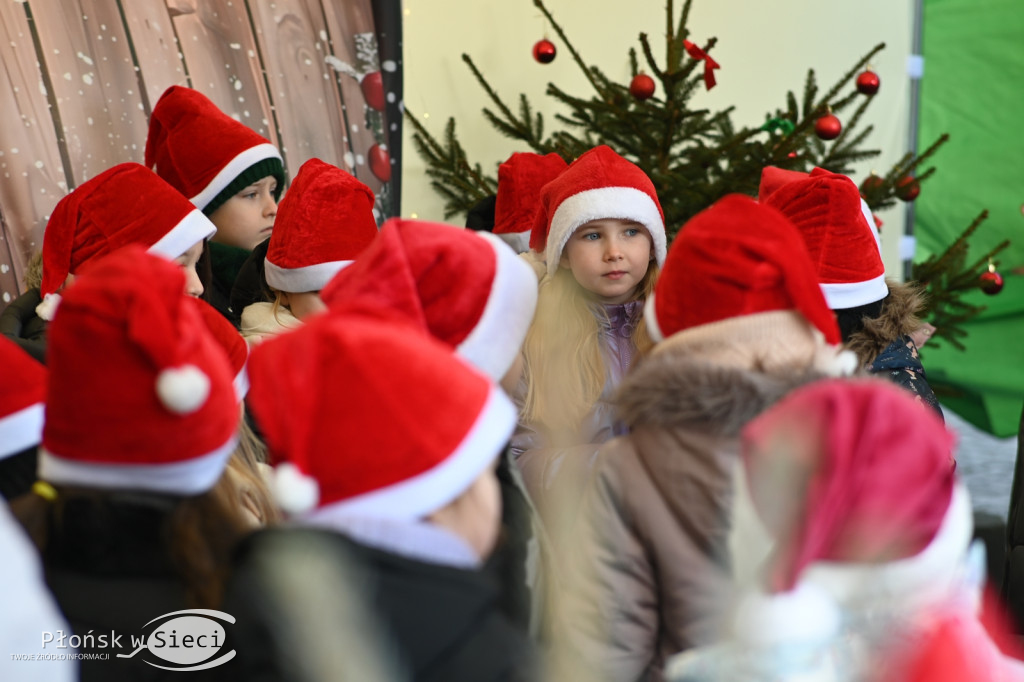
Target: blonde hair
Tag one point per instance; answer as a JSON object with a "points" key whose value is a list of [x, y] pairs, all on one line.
{"points": [[245, 469], [564, 369]]}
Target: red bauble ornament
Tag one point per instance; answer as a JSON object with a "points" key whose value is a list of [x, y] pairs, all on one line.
{"points": [[380, 162], [792, 155], [868, 83], [642, 86], [828, 127], [544, 51], [907, 188], [373, 90], [991, 282], [871, 183]]}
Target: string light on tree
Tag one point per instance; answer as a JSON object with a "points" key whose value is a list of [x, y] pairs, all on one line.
{"points": [[544, 51], [642, 86]]}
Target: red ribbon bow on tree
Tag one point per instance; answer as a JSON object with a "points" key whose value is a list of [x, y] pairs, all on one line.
{"points": [[709, 64]]}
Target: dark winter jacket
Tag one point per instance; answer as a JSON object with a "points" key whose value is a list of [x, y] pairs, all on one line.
{"points": [[443, 623], [519, 565], [110, 572], [225, 263], [900, 364], [20, 324], [884, 347]]}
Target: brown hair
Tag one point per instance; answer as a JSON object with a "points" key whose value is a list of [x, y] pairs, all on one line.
{"points": [[198, 532]]}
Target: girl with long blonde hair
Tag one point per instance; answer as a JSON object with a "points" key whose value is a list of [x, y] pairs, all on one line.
{"points": [[601, 231]]}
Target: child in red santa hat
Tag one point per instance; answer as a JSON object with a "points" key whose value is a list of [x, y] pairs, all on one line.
{"points": [[877, 316], [123, 205], [740, 321], [385, 444], [601, 232], [520, 180], [231, 173], [473, 293], [131, 508], [324, 222], [854, 551]]}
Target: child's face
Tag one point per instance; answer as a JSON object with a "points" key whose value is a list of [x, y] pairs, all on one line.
{"points": [[187, 261], [609, 258], [247, 218]]}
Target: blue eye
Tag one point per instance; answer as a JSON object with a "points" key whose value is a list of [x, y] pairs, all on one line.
{"points": [[632, 232], [591, 236]]}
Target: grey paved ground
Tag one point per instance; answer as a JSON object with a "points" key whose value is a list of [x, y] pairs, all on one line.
{"points": [[986, 464]]}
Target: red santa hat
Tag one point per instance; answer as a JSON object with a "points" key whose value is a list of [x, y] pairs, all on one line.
{"points": [[772, 178], [828, 210], [520, 179], [140, 396], [736, 258], [126, 204], [854, 480], [599, 184], [373, 418], [322, 224], [467, 288], [22, 392], [204, 153], [230, 341]]}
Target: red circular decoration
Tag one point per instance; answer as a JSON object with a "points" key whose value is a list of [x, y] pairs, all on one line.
{"points": [[991, 282], [868, 83], [373, 90], [871, 183], [380, 162], [828, 127], [642, 86], [907, 188], [544, 51]]}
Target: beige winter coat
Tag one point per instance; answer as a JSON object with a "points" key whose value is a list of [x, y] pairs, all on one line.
{"points": [[651, 576]]}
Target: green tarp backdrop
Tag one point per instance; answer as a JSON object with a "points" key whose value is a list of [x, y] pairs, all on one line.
{"points": [[973, 88]]}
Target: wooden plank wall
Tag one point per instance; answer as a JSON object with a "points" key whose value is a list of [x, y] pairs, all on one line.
{"points": [[78, 79]]}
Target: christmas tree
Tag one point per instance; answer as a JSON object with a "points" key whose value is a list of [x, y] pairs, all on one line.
{"points": [[695, 156]]}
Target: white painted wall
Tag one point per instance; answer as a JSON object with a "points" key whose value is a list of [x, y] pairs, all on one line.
{"points": [[764, 49]]}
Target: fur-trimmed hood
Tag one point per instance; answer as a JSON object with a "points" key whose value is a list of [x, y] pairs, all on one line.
{"points": [[898, 318], [675, 390]]}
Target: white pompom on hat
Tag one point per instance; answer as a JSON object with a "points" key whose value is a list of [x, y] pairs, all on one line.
{"points": [[140, 395]]}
